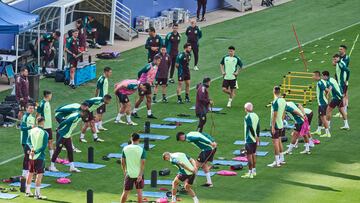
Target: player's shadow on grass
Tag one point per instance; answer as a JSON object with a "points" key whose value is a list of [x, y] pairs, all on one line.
{"points": [[312, 186], [56, 201], [340, 175]]}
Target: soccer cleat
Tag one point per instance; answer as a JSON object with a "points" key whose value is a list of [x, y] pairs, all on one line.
{"points": [[196, 68], [72, 86], [151, 116], [311, 143], [29, 194], [247, 175], [274, 164], [164, 100], [135, 115], [345, 128], [102, 129], [305, 152], [203, 19], [83, 140], [325, 135], [198, 20], [98, 140], [187, 100], [74, 170], [171, 80], [253, 173], [131, 123], [53, 169], [207, 185], [282, 162], [228, 104], [338, 115], [288, 151], [40, 197], [76, 150], [154, 100], [318, 132], [120, 121], [179, 101]]}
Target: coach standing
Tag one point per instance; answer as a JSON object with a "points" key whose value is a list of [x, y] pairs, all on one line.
{"points": [[153, 44], [194, 34], [172, 41], [201, 3], [202, 103], [22, 90]]}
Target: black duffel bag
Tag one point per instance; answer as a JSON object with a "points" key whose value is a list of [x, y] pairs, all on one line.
{"points": [[59, 76]]}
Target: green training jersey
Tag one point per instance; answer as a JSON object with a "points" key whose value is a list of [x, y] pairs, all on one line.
{"points": [[201, 140], [66, 127], [251, 127], [102, 85], [335, 89], [290, 109], [27, 122], [278, 105], [44, 109], [133, 154], [341, 73], [320, 93], [95, 103], [64, 111], [38, 140], [231, 65], [179, 158]]}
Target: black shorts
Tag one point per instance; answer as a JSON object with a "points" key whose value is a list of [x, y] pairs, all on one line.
{"points": [[36, 166], [22, 105], [206, 156], [90, 117], [298, 127], [250, 148], [190, 178], [49, 131], [144, 93], [278, 133], [26, 149], [101, 109], [184, 76], [309, 117], [322, 110], [123, 98], [229, 83], [336, 103], [161, 81], [130, 182]]}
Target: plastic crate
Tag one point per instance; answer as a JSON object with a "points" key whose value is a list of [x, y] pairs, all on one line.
{"points": [[169, 15], [142, 23], [178, 14], [155, 23]]}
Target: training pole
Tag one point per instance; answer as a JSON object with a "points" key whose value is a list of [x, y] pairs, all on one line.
{"points": [[301, 50], [353, 46]]}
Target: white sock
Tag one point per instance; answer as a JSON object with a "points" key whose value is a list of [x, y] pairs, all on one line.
{"points": [[253, 170], [97, 125], [72, 82], [250, 172], [149, 112], [52, 164], [100, 124], [196, 200], [24, 173], [37, 190], [118, 117], [135, 110], [173, 199], [72, 165], [208, 178], [307, 147], [128, 118], [329, 123], [230, 99], [282, 158], [28, 188], [318, 129], [277, 159], [291, 146], [51, 152], [327, 131], [82, 136], [346, 124], [95, 136]]}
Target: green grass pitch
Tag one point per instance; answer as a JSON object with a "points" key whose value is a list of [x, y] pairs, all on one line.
{"points": [[330, 174]]}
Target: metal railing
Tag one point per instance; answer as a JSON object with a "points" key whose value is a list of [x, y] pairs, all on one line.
{"points": [[124, 17]]}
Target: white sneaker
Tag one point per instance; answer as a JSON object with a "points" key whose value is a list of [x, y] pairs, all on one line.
{"points": [[311, 144], [83, 140], [288, 151], [305, 152], [273, 165], [29, 194], [345, 128], [196, 68], [102, 129], [98, 140], [296, 146], [76, 150], [282, 162], [40, 197], [132, 123], [228, 104], [120, 121], [75, 170], [53, 169]]}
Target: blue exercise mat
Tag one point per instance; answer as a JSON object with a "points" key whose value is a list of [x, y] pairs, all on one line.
{"points": [[7, 195], [56, 174], [17, 184], [202, 173], [87, 165], [229, 163], [153, 194], [159, 182], [258, 153], [159, 126], [141, 145], [265, 134], [214, 109], [153, 136], [241, 142], [181, 120], [114, 155]]}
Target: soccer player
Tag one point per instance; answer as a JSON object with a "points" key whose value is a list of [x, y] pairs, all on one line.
{"points": [[194, 34], [133, 164], [44, 111], [162, 74], [230, 66], [122, 90], [322, 103], [47, 50], [22, 91], [146, 75], [187, 173], [37, 142], [207, 145], [63, 139], [251, 136], [296, 114], [172, 41], [203, 103], [201, 4], [92, 32], [64, 111], [336, 101], [72, 50], [94, 103], [27, 123], [346, 59], [102, 89], [153, 44], [277, 116], [182, 64]]}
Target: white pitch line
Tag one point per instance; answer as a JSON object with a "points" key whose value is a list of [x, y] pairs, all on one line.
{"points": [[328, 46], [251, 64]]}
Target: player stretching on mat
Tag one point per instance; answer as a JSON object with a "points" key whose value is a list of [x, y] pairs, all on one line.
{"points": [[64, 111], [336, 101], [277, 126], [162, 74], [27, 123], [122, 90], [63, 139], [203, 103], [133, 164], [323, 103], [251, 135], [187, 173], [230, 66], [346, 59], [207, 145], [37, 142], [102, 89], [94, 104], [182, 64], [146, 75]]}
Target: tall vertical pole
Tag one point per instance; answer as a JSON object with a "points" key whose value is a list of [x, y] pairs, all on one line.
{"points": [[17, 53], [38, 45], [301, 50], [112, 22], [61, 40]]}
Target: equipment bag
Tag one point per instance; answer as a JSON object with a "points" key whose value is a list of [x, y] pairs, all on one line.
{"points": [[108, 55]]}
